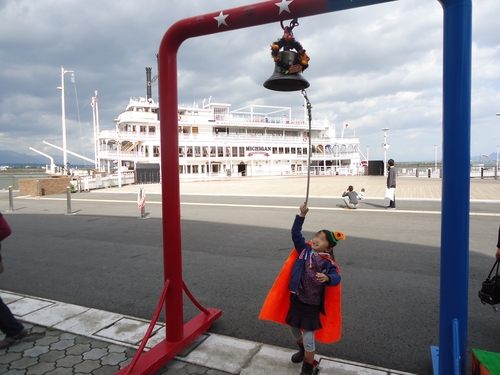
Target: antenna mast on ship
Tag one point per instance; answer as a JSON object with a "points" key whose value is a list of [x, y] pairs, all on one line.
{"points": [[148, 81]]}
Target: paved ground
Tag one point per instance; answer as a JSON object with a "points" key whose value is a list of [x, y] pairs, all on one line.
{"points": [[69, 339], [327, 186]]}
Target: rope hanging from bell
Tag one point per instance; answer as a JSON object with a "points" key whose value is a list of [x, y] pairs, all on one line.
{"points": [[309, 150], [288, 64]]}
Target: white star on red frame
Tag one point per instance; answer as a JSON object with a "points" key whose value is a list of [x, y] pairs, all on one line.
{"points": [[221, 19], [284, 5]]}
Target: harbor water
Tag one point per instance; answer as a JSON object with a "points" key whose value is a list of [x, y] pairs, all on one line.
{"points": [[11, 178]]}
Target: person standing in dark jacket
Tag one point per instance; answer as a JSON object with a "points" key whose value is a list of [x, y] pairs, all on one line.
{"points": [[391, 182], [14, 331]]}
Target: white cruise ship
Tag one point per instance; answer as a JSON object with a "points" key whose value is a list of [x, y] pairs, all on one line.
{"points": [[217, 141]]}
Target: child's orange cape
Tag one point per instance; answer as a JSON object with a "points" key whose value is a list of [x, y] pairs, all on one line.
{"points": [[277, 303]]}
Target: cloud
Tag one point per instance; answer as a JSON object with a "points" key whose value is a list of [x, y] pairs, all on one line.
{"points": [[373, 67]]}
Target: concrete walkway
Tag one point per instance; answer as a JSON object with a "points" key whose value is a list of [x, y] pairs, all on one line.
{"points": [[69, 339]]}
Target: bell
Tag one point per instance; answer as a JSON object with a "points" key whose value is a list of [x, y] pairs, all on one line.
{"points": [[286, 82]]}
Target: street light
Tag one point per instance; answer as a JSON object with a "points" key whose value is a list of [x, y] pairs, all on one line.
{"points": [[496, 170], [385, 146], [65, 154], [496, 174], [435, 158]]}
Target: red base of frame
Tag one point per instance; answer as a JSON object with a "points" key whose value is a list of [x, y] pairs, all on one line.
{"points": [[158, 356]]}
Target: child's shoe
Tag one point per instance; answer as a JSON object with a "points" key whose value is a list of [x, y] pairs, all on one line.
{"points": [[299, 356], [307, 368]]}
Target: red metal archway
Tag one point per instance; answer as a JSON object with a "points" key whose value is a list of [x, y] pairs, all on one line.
{"points": [[180, 335]]}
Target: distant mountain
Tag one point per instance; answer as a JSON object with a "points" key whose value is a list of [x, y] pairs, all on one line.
{"points": [[11, 157]]}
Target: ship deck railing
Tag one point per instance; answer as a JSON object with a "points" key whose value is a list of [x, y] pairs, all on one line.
{"points": [[238, 138], [315, 156]]}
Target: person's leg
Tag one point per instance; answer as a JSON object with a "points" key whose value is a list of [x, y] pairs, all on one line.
{"points": [[393, 202], [347, 201], [297, 335], [310, 349], [8, 323]]}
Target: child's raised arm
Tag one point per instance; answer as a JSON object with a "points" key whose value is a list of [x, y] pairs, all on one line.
{"points": [[303, 210]]}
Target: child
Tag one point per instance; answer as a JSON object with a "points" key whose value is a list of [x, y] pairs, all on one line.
{"points": [[361, 195], [301, 296]]}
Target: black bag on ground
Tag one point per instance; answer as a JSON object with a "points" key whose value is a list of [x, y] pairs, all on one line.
{"points": [[490, 292]]}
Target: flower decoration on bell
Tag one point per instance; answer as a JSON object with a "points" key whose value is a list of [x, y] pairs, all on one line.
{"points": [[288, 42]]}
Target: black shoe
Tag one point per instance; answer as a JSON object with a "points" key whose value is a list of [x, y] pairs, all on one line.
{"points": [[9, 341], [307, 368], [299, 356]]}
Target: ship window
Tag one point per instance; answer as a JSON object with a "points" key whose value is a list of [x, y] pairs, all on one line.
{"points": [[152, 129], [287, 150], [275, 150], [275, 132], [281, 150], [220, 151], [212, 151], [197, 151], [181, 152], [293, 151], [190, 152], [195, 169], [156, 151], [228, 151], [195, 129], [299, 151], [304, 151], [242, 151]]}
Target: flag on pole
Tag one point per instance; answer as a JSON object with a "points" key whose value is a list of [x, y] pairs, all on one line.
{"points": [[485, 156], [346, 125]]}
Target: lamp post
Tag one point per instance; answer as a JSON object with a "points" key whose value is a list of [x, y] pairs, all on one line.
{"points": [[496, 174], [496, 170], [385, 146], [367, 154], [65, 154], [435, 158]]}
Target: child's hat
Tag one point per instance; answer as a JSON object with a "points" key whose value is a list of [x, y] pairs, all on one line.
{"points": [[337, 236]]}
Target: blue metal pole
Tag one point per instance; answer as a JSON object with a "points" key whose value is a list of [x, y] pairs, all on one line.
{"points": [[456, 181]]}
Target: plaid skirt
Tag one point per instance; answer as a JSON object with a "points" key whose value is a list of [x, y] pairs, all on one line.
{"points": [[301, 315]]}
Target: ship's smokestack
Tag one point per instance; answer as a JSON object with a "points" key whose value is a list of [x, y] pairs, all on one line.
{"points": [[148, 82]]}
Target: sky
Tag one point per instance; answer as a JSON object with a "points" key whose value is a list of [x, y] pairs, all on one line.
{"points": [[372, 67]]}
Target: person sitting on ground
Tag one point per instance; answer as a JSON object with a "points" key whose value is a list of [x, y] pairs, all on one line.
{"points": [[350, 198], [361, 195]]}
